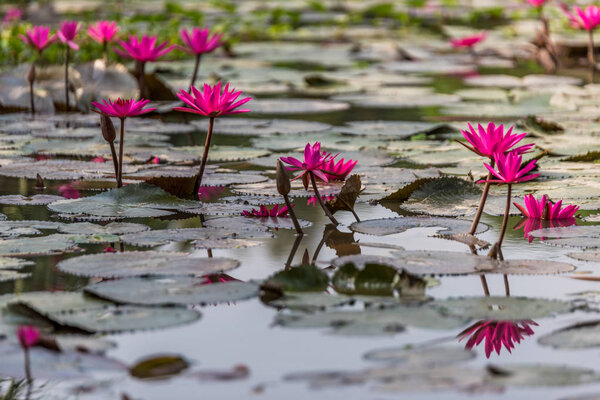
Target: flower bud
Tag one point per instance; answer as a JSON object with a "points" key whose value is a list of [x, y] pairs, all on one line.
{"points": [[283, 181], [108, 129]]}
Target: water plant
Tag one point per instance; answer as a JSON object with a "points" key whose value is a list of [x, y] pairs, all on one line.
{"points": [[283, 188], [122, 109], [276, 211], [211, 102], [586, 19], [103, 32], [198, 42], [66, 34], [143, 49], [497, 334], [38, 38], [28, 337]]}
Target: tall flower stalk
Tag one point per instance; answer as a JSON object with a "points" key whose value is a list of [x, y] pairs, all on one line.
{"points": [[587, 19], [122, 109], [38, 38], [143, 50], [28, 337], [211, 102], [486, 142], [66, 34], [508, 171], [199, 42]]}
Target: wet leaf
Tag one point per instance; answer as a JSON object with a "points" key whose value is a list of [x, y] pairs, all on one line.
{"points": [[215, 234], [37, 246], [431, 357], [389, 226], [303, 278], [159, 367], [35, 200], [579, 336], [377, 280]]}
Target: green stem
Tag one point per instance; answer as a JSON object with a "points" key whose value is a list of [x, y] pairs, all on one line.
{"points": [[198, 182], [121, 143], [316, 190]]}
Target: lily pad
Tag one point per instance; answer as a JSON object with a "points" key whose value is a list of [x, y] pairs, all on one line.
{"points": [[579, 336], [215, 234], [389, 226], [35, 200], [37, 246], [295, 106], [261, 127], [432, 357], [176, 290], [153, 263], [113, 228]]}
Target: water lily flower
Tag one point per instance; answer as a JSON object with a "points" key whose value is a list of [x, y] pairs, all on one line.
{"points": [[469, 41], [28, 336], [312, 166], [98, 159], [142, 51], [587, 19], [110, 249], [546, 209], [533, 224], [208, 192], [38, 37], [122, 109], [487, 141], [211, 102], [12, 15], [103, 32], [313, 163], [68, 191], [508, 169], [66, 34], [199, 42], [537, 3], [497, 334], [312, 201], [339, 170], [276, 211]]}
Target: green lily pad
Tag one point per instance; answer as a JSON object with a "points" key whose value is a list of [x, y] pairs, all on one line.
{"points": [[261, 127], [303, 278], [389, 226], [214, 234], [37, 246], [35, 200], [579, 336], [141, 263], [431, 357], [159, 367], [175, 290]]}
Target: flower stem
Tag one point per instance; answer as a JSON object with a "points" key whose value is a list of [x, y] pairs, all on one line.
{"points": [[105, 52], [196, 67], [31, 96], [113, 153], [27, 365], [484, 195], [316, 189], [591, 56], [288, 203], [293, 251], [141, 66], [67, 80], [121, 140], [486, 289], [506, 286], [505, 220], [198, 182]]}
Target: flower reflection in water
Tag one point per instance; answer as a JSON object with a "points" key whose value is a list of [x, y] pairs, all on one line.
{"points": [[533, 224], [497, 334], [207, 193], [68, 191]]}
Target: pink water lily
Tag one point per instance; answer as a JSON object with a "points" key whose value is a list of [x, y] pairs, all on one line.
{"points": [[68, 191], [339, 170], [312, 201], [67, 32], [12, 15], [497, 334], [38, 37], [122, 108], [212, 101], [545, 209], [537, 3], [508, 169], [487, 141], [587, 19], [276, 211], [103, 32], [533, 224], [143, 49], [314, 162], [28, 336], [469, 41], [200, 41]]}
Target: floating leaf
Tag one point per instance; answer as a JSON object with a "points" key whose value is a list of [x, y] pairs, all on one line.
{"points": [[165, 236], [37, 246], [579, 336], [113, 228], [296, 106], [13, 263], [35, 200], [176, 290], [140, 263], [159, 367], [389, 226], [378, 280], [431, 357], [261, 127], [303, 278]]}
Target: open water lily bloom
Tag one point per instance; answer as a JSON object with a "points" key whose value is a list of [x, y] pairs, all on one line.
{"points": [[123, 108], [497, 334], [212, 101], [38, 37], [537, 3], [143, 49], [546, 209], [314, 162], [487, 141], [67, 32], [200, 41], [28, 336], [508, 169], [103, 32], [587, 18], [339, 170], [468, 41]]}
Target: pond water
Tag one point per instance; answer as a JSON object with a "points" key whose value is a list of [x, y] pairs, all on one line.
{"points": [[391, 330]]}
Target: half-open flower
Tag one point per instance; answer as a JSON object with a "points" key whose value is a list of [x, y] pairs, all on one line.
{"points": [[468, 41], [123, 108], [103, 32], [508, 169], [38, 38], [143, 49], [67, 32], [587, 19], [339, 170], [200, 41], [28, 336]]}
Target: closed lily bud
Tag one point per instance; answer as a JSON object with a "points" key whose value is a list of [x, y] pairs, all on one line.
{"points": [[283, 181], [108, 129], [31, 75]]}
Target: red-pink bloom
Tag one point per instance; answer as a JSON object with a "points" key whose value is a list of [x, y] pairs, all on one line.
{"points": [[314, 162], [468, 41], [38, 37], [277, 212], [67, 32], [200, 41], [144, 49], [497, 334], [28, 336], [109, 249], [587, 19], [98, 159], [123, 108], [537, 3], [69, 192], [103, 32], [12, 15], [338, 170], [491, 140], [508, 169], [211, 102], [533, 224], [155, 160], [312, 201], [545, 209]]}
